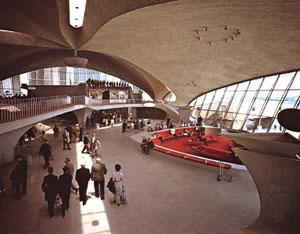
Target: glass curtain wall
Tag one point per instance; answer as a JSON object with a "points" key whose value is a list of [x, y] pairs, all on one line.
{"points": [[252, 105], [57, 76]]}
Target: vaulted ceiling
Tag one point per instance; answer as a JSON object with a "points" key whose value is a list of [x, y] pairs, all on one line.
{"points": [[186, 46]]}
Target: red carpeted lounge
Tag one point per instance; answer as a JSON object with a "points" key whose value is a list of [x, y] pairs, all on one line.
{"points": [[187, 145]]}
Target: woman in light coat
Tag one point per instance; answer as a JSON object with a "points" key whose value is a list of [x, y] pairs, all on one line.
{"points": [[119, 186]]}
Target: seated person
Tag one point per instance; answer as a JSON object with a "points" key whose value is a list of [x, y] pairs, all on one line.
{"points": [[149, 129], [202, 139], [144, 144], [171, 125], [172, 132], [157, 127], [150, 145], [186, 132], [159, 137]]}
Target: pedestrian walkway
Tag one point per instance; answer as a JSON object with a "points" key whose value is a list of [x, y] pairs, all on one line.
{"points": [[164, 195]]}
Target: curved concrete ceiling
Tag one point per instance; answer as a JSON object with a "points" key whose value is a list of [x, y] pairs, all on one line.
{"points": [[189, 46]]}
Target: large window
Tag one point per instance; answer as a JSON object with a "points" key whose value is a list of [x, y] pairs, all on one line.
{"points": [[58, 76], [252, 105]]}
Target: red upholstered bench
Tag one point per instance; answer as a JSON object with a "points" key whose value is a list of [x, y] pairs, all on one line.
{"points": [[179, 131], [165, 134]]}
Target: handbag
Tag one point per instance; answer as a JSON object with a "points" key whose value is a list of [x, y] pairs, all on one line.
{"points": [[58, 201], [111, 185], [51, 157]]}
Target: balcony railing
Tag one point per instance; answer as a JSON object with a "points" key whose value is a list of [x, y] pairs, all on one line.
{"points": [[11, 110]]}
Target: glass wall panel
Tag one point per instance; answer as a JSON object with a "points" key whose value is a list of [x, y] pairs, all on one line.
{"points": [[243, 86], [217, 99], [236, 100], [213, 118], [238, 121], [226, 100], [276, 127], [231, 87], [290, 99], [273, 103], [284, 80], [296, 83], [259, 101], [200, 100], [268, 82], [250, 123], [208, 100], [96, 76], [203, 113], [247, 101], [254, 84], [232, 108], [193, 102]]}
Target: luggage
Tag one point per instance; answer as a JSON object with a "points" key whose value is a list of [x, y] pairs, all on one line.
{"points": [[123, 195]]}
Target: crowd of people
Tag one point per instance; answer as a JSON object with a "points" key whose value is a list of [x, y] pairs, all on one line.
{"points": [[104, 118], [133, 124], [7, 95], [97, 84], [57, 189]]}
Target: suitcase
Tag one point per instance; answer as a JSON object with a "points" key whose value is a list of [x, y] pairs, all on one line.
{"points": [[123, 195]]}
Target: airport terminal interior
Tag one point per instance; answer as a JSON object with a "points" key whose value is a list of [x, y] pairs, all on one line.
{"points": [[157, 116]]}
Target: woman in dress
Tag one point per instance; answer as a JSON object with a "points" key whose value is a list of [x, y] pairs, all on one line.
{"points": [[119, 186]]}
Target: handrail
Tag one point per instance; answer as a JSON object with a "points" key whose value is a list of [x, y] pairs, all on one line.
{"points": [[11, 110]]}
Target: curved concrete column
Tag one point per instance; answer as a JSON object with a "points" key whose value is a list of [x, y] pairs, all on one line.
{"points": [[81, 115], [278, 183], [9, 141]]}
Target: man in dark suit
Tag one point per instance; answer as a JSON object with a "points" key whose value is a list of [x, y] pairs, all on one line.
{"points": [[86, 142], [19, 177], [50, 187], [81, 133], [65, 182], [83, 176], [124, 126], [66, 139]]}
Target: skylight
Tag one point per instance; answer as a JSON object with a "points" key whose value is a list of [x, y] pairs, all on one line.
{"points": [[77, 9]]}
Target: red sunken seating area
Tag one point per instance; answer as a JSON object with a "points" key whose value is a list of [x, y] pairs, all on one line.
{"points": [[187, 145]]}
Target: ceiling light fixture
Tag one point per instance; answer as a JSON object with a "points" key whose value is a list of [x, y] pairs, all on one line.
{"points": [[149, 104], [76, 12]]}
